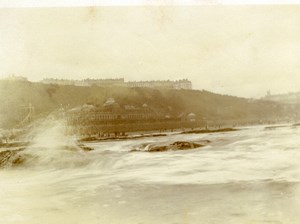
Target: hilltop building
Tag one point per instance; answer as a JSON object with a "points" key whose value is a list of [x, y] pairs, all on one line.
{"points": [[288, 99], [104, 82], [290, 103], [85, 82], [178, 84], [166, 84]]}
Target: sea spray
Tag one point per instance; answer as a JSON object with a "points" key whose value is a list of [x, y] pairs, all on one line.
{"points": [[50, 146]]}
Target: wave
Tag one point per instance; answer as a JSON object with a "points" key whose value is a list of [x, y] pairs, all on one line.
{"points": [[49, 145], [247, 155]]}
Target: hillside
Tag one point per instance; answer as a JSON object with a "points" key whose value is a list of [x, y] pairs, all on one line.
{"points": [[46, 98]]}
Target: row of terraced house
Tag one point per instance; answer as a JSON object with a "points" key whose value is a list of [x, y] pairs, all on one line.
{"points": [[177, 84]]}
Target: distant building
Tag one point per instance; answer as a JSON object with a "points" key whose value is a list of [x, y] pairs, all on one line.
{"points": [[289, 98], [85, 82], [166, 84], [191, 117], [111, 112], [104, 82]]}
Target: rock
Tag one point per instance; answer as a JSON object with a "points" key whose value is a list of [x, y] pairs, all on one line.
{"points": [[185, 145], [85, 148], [11, 158], [158, 148], [178, 145]]}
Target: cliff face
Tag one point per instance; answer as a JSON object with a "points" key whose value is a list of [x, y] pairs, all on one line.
{"points": [[15, 98]]}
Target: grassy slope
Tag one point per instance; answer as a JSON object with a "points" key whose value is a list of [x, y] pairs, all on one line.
{"points": [[15, 96]]}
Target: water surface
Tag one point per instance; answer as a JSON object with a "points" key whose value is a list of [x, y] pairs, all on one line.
{"points": [[248, 176]]}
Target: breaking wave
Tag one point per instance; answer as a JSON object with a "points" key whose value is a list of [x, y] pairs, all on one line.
{"points": [[246, 155], [251, 175]]}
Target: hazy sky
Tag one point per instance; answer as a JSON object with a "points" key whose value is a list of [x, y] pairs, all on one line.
{"points": [[236, 50]]}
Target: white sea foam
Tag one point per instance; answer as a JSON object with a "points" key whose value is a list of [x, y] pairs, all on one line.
{"points": [[248, 169]]}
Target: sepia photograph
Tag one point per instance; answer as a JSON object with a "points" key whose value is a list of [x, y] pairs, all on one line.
{"points": [[149, 111]]}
